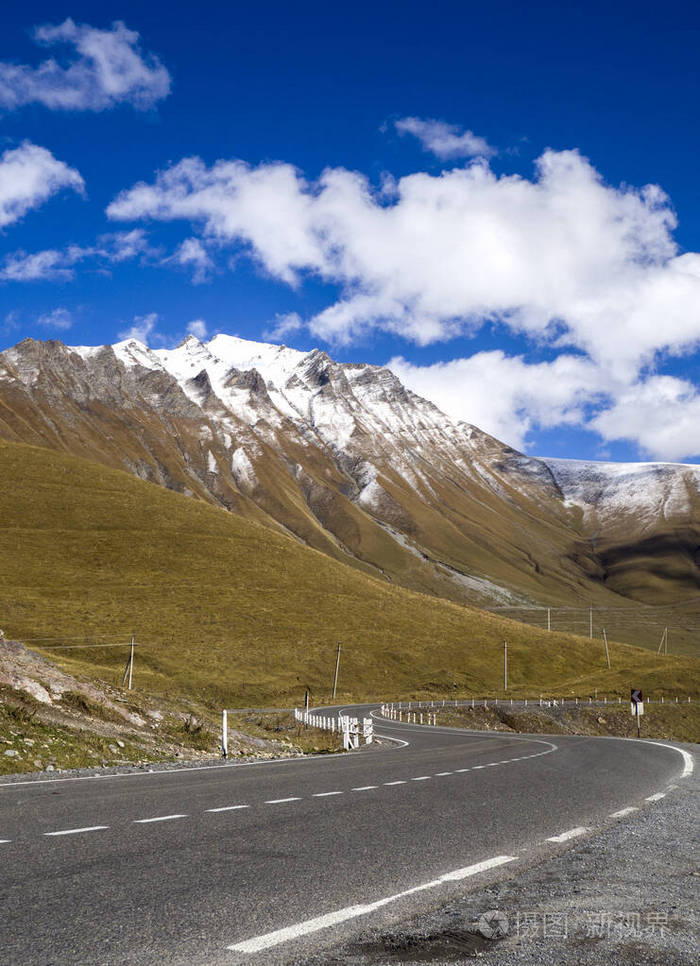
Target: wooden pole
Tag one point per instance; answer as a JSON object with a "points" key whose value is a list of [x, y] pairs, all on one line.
{"points": [[337, 665], [505, 665], [131, 661], [607, 652]]}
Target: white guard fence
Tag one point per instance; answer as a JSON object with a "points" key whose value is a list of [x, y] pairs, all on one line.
{"points": [[355, 731]]}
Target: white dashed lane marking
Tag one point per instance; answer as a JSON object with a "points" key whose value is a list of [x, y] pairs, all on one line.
{"points": [[157, 818], [325, 794], [655, 798], [227, 808], [365, 788], [395, 783], [77, 831], [571, 834], [623, 812], [421, 778], [441, 774], [281, 801]]}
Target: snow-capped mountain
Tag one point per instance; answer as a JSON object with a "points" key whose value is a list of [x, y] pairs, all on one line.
{"points": [[348, 460]]}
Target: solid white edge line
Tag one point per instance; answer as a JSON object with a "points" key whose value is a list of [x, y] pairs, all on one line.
{"points": [[623, 812], [157, 818], [227, 808], [571, 834], [267, 940], [655, 798], [688, 760], [75, 831]]}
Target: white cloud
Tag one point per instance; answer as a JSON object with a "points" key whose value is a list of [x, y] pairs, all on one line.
{"points": [[445, 140], [106, 68], [197, 328], [506, 396], [563, 260], [29, 176], [192, 254], [142, 328], [58, 264], [661, 414], [56, 319], [283, 326]]}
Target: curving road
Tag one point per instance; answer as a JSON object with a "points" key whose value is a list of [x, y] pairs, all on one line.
{"points": [[266, 862]]}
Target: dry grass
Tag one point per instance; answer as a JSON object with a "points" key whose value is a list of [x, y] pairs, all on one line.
{"points": [[229, 612]]}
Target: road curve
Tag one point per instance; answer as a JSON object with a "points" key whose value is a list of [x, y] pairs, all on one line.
{"points": [[260, 862]]}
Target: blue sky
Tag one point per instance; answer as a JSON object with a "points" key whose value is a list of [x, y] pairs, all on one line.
{"points": [[457, 190]]}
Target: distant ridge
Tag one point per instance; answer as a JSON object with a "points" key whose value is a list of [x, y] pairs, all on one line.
{"points": [[352, 463]]}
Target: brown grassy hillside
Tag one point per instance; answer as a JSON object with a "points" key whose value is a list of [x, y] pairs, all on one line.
{"points": [[229, 610]]}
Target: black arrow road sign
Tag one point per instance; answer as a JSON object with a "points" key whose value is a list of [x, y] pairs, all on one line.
{"points": [[637, 697]]}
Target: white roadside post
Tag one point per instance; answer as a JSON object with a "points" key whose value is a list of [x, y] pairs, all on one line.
{"points": [[224, 734]]}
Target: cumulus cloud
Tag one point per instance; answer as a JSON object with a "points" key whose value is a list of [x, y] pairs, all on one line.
{"points": [[197, 328], [562, 259], [445, 140], [59, 318], [29, 176], [105, 68], [283, 326], [505, 395], [661, 414], [59, 264], [192, 254], [142, 328]]}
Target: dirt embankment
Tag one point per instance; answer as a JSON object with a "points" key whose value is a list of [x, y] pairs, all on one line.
{"points": [[51, 721], [680, 722]]}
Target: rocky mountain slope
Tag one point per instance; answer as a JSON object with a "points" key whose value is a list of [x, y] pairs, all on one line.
{"points": [[348, 460]]}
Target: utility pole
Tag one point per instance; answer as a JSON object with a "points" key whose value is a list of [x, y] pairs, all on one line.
{"points": [[131, 661], [590, 622], [607, 653], [505, 665], [549, 618], [337, 665]]}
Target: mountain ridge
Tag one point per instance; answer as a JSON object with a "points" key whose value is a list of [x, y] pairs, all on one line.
{"points": [[350, 461]]}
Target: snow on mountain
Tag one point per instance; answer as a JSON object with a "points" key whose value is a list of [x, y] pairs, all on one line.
{"points": [[652, 490], [350, 461]]}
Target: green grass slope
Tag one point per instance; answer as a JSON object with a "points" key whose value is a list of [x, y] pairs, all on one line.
{"points": [[229, 611]]}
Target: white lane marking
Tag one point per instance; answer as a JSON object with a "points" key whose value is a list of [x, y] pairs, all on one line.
{"points": [[474, 767], [157, 818], [76, 831], [688, 760], [421, 778], [672, 786], [325, 794], [364, 788], [267, 940], [280, 801], [655, 798], [440, 774], [227, 808], [5, 841], [395, 783], [623, 812], [462, 769], [571, 834]]}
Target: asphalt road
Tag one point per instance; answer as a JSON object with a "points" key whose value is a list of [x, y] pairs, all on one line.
{"points": [[260, 862]]}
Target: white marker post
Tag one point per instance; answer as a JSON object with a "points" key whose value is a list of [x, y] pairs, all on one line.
{"points": [[224, 734], [637, 706]]}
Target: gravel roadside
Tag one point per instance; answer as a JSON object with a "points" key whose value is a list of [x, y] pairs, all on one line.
{"points": [[626, 895]]}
